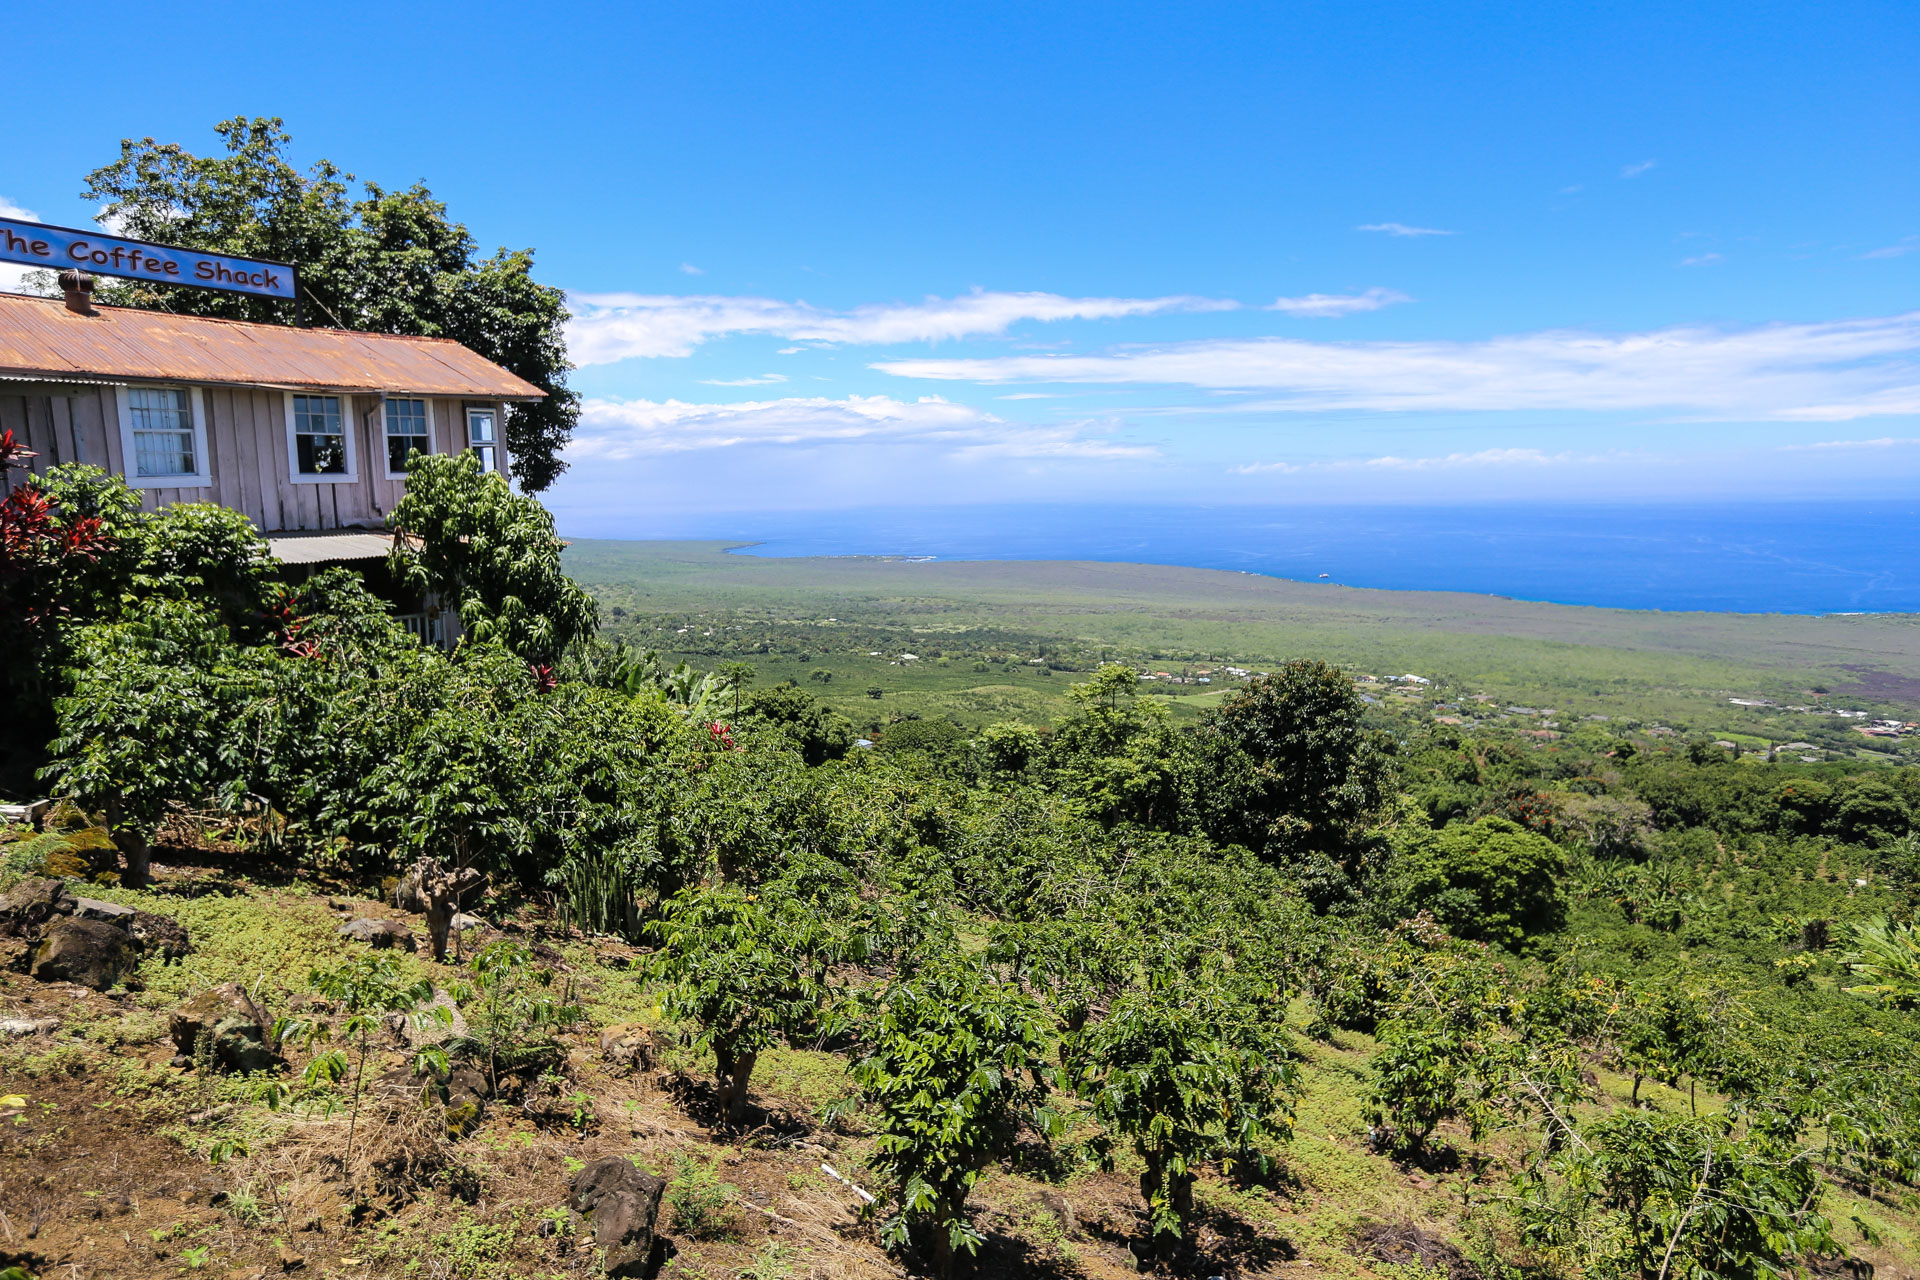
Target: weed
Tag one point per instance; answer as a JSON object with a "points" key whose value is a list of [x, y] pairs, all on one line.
{"points": [[472, 1250], [700, 1201], [196, 1257], [769, 1264], [244, 1204]]}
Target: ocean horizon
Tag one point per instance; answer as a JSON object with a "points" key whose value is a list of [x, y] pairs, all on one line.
{"points": [[1773, 557]]}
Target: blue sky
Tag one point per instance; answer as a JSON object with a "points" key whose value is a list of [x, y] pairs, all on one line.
{"points": [[834, 256]]}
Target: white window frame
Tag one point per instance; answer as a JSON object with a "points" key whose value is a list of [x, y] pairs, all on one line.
{"points": [[494, 446], [352, 474], [130, 455], [386, 454]]}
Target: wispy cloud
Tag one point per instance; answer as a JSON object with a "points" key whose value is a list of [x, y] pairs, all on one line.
{"points": [[1883, 442], [765, 380], [687, 268], [1402, 229], [1811, 372], [1635, 170], [617, 326], [1702, 260], [1391, 462], [1900, 250], [615, 430], [1338, 304]]}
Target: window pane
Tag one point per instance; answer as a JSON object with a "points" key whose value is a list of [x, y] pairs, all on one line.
{"points": [[406, 432], [162, 431], [480, 428], [321, 455], [320, 441], [400, 448]]}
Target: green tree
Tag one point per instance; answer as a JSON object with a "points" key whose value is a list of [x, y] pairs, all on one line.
{"points": [[1491, 879], [954, 1065], [738, 675], [150, 719], [816, 730], [1645, 1196], [379, 261], [492, 554], [1887, 954], [749, 971], [1118, 753], [1185, 1077], [1287, 768]]}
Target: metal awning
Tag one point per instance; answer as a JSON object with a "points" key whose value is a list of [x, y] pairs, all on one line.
{"points": [[330, 547]]}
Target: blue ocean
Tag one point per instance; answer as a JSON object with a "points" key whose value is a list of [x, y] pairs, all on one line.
{"points": [[1826, 557]]}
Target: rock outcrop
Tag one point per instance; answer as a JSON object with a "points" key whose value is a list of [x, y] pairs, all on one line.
{"points": [[623, 1204], [92, 953], [235, 1027], [27, 908], [379, 934]]}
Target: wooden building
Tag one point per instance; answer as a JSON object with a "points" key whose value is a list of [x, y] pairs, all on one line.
{"points": [[306, 431]]}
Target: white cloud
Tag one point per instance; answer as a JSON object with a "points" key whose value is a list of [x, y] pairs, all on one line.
{"points": [[767, 380], [1635, 170], [1702, 260], [1402, 229], [615, 430], [1339, 304], [1828, 371], [687, 268], [1899, 250], [1884, 442], [617, 326], [1482, 458]]}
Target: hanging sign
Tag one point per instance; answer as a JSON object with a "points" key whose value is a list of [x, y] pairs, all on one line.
{"points": [[65, 249]]}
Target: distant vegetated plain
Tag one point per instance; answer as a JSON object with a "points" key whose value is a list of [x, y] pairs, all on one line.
{"points": [[988, 638]]}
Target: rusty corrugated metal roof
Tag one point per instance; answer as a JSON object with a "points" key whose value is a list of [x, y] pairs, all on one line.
{"points": [[40, 336]]}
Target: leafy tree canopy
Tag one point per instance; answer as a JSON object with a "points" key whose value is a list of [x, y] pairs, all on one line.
{"points": [[493, 555]]}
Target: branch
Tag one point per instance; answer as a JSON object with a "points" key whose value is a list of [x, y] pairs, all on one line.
{"points": [[1694, 1203]]}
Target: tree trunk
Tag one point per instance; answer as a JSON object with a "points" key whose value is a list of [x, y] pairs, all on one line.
{"points": [[132, 843], [732, 1075], [442, 890]]}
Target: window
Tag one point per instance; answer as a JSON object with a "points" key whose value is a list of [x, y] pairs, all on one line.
{"points": [[480, 438], [163, 436], [320, 447], [407, 433]]}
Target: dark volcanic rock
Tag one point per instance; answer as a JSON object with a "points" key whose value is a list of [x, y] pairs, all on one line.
{"points": [[157, 935], [90, 952], [623, 1204], [237, 1028], [27, 907], [379, 934]]}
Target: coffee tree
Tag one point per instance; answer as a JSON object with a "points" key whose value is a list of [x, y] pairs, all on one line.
{"points": [[954, 1066], [747, 971], [1185, 1078]]}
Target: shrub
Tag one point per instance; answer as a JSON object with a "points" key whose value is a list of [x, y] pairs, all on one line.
{"points": [[1490, 880]]}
